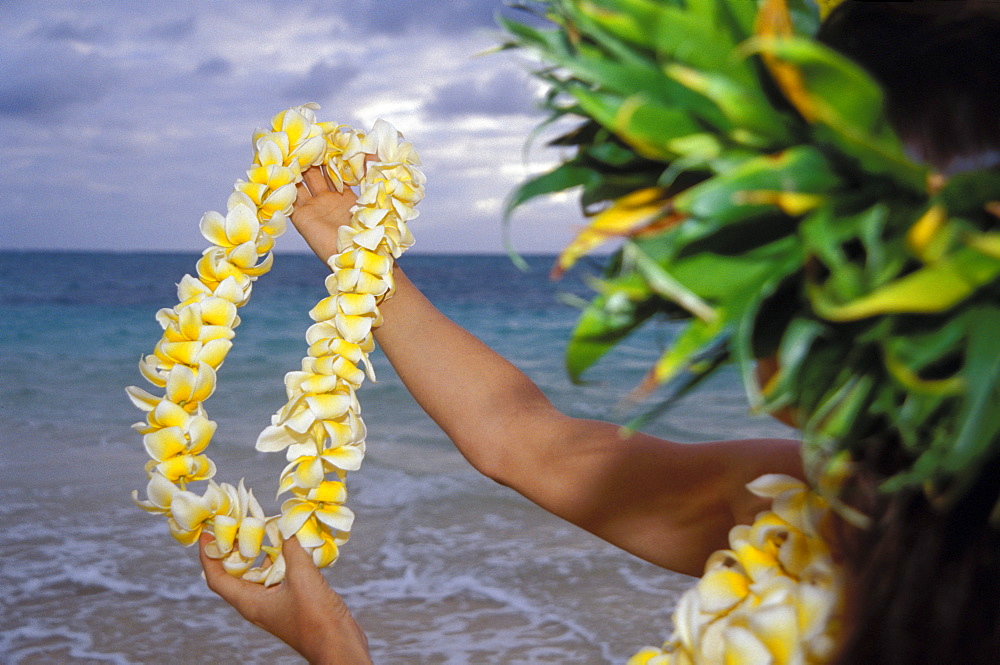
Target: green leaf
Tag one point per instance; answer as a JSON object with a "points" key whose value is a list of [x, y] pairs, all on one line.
{"points": [[743, 106], [826, 76], [549, 41], [964, 193], [667, 286], [725, 278], [693, 339], [651, 128], [933, 288], [563, 177], [611, 316], [914, 383], [672, 100], [985, 243], [842, 416], [793, 351], [674, 33], [614, 154], [925, 341], [980, 415], [799, 169], [706, 364], [856, 123]]}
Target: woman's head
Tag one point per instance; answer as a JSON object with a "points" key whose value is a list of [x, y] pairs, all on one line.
{"points": [[925, 579]]}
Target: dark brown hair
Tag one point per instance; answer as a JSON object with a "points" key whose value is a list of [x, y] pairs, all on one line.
{"points": [[938, 62], [923, 582]]}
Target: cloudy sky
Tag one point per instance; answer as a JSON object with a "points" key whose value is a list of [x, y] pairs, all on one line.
{"points": [[123, 121]]}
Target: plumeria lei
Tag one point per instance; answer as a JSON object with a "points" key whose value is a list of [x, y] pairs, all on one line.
{"points": [[773, 597], [320, 427]]}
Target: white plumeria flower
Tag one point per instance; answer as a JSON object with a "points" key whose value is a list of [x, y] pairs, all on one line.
{"points": [[274, 176], [354, 315], [193, 353], [194, 510], [191, 289], [184, 468], [345, 356], [384, 141], [176, 450], [346, 155], [160, 412], [308, 467], [322, 542], [273, 570], [312, 418], [306, 516], [272, 148], [159, 495], [240, 225], [359, 270], [189, 439], [238, 531]]}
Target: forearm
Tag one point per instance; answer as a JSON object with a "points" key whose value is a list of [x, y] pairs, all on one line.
{"points": [[480, 400]]}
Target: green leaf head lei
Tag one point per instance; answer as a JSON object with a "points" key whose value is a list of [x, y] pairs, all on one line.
{"points": [[762, 197]]}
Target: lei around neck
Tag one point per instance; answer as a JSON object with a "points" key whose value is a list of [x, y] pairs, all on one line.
{"points": [[320, 427]]}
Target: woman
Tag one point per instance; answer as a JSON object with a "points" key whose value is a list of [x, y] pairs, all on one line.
{"points": [[921, 580], [669, 503]]}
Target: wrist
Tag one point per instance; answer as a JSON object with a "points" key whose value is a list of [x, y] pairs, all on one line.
{"points": [[335, 643]]}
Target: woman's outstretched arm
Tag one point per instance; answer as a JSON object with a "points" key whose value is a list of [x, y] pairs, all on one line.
{"points": [[669, 503]]}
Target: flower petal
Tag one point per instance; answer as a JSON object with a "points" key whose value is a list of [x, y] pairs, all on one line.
{"points": [[213, 228], [142, 399], [744, 648], [353, 328], [181, 380], [200, 431], [225, 528], [251, 535], [294, 517], [339, 518], [721, 589], [309, 472], [273, 439], [168, 414], [356, 304], [190, 510], [330, 491], [165, 443]]}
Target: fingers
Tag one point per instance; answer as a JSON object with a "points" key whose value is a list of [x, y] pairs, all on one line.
{"points": [[299, 565], [315, 180], [230, 588]]}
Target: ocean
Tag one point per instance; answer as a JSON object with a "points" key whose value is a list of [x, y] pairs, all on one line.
{"points": [[443, 565]]}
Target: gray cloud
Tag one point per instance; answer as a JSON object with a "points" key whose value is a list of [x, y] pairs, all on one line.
{"points": [[323, 80], [174, 29], [214, 67], [73, 32], [502, 92], [397, 16], [30, 85], [158, 101]]}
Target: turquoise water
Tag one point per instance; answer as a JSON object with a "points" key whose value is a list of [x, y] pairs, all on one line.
{"points": [[443, 566]]}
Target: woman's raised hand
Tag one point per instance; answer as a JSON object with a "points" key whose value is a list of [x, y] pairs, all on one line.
{"points": [[302, 610], [320, 210]]}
